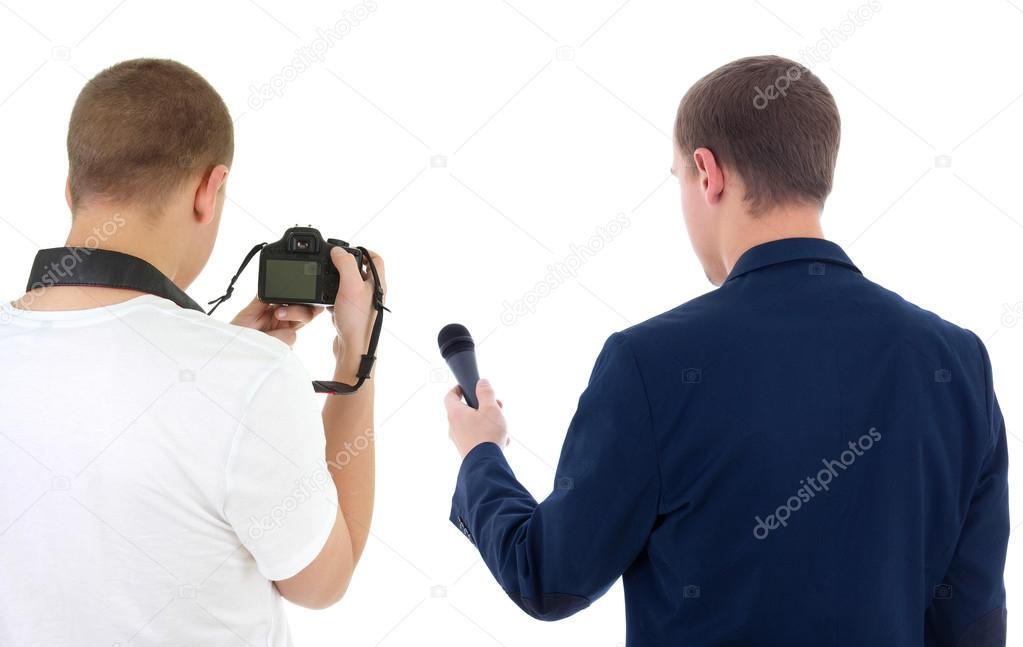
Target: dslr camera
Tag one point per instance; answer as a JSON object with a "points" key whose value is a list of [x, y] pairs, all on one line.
{"points": [[297, 269]]}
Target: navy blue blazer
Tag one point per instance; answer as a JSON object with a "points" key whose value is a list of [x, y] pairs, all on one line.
{"points": [[799, 457]]}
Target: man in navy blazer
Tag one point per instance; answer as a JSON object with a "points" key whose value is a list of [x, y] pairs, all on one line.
{"points": [[798, 457]]}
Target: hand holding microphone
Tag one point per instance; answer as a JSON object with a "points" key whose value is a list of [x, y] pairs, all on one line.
{"points": [[479, 419]]}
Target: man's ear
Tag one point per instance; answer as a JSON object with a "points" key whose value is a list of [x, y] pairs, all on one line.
{"points": [[207, 193], [67, 192], [711, 176]]}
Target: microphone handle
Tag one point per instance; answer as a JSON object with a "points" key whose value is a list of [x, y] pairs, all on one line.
{"points": [[463, 366]]}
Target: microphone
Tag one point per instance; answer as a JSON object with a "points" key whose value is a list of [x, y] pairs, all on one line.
{"points": [[459, 351]]}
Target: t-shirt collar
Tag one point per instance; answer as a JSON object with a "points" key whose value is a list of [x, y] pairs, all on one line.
{"points": [[790, 249]]}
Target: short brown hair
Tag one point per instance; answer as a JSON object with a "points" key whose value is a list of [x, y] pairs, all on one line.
{"points": [[769, 119], [141, 128]]}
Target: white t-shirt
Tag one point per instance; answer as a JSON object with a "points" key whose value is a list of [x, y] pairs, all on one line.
{"points": [[158, 470]]}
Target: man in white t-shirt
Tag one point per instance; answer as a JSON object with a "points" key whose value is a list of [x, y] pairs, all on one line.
{"points": [[164, 477]]}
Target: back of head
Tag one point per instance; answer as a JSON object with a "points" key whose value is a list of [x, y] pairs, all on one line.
{"points": [[141, 129], [769, 119]]}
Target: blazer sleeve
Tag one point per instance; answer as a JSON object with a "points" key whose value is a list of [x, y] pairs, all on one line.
{"points": [[555, 557], [967, 608]]}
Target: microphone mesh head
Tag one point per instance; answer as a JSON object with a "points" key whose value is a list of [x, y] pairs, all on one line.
{"points": [[454, 338]]}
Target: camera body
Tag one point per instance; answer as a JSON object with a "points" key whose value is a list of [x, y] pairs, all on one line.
{"points": [[297, 269]]}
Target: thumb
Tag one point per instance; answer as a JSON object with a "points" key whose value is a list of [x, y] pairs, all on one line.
{"points": [[337, 255], [485, 393]]}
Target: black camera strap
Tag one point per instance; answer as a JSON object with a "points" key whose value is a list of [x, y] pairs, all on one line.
{"points": [[83, 266], [230, 286], [368, 359]]}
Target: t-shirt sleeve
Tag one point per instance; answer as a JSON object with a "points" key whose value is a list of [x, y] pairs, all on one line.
{"points": [[280, 498]]}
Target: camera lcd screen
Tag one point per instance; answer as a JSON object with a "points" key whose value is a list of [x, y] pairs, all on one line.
{"points": [[292, 280]]}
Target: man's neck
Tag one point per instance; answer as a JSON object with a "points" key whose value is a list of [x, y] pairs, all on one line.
{"points": [[776, 224], [114, 230], [128, 233]]}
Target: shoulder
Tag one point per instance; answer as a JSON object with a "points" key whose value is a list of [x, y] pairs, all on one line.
{"points": [[710, 323], [224, 353], [916, 326], [696, 321], [199, 325]]}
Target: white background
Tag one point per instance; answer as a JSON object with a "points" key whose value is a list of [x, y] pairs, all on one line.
{"points": [[552, 118]]}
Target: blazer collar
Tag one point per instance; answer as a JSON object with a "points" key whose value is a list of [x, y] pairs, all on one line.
{"points": [[790, 249]]}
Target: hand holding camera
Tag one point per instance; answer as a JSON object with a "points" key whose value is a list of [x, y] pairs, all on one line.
{"points": [[301, 272], [282, 322], [353, 310]]}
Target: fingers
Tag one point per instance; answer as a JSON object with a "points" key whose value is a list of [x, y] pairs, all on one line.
{"points": [[342, 260], [485, 394], [252, 315], [297, 314], [453, 400], [352, 284], [281, 322], [254, 307]]}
